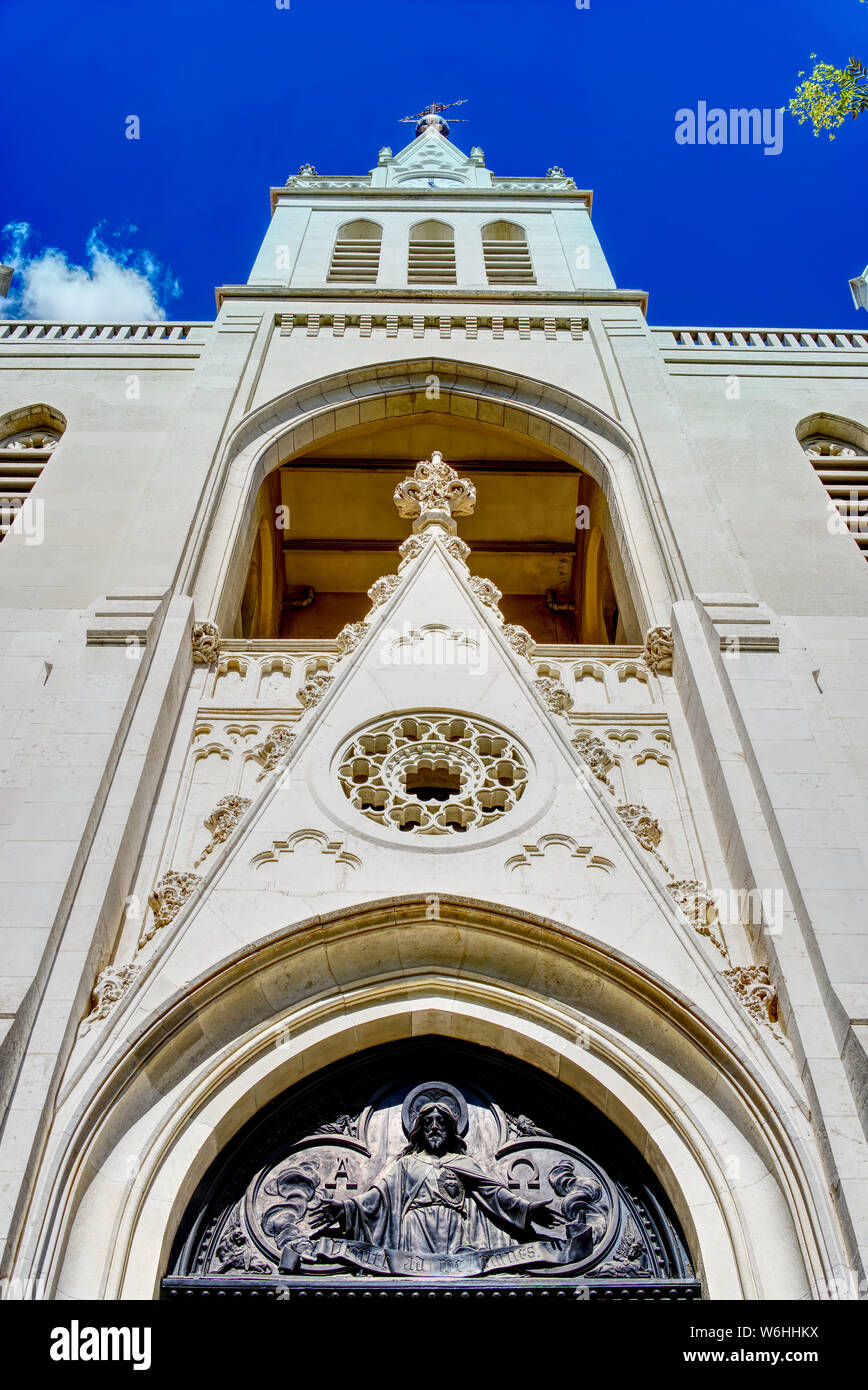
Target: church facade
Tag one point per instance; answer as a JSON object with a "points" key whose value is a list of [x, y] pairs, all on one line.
{"points": [[436, 839]]}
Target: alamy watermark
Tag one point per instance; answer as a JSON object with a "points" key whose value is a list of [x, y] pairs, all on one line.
{"points": [[737, 126], [440, 647]]}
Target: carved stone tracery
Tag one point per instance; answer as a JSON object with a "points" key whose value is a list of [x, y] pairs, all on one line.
{"points": [[434, 774]]}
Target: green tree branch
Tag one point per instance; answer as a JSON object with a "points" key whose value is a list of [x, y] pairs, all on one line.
{"points": [[830, 94]]}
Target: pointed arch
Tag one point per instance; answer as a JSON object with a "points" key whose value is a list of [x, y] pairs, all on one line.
{"points": [[174, 1075], [646, 567]]}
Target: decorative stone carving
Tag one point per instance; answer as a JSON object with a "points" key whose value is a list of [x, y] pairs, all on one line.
{"points": [[597, 756], [366, 1174], [457, 549], [314, 688], [643, 825], [350, 636], [488, 594], [752, 986], [519, 639], [344, 1124], [222, 821], [333, 848], [110, 985], [434, 493], [658, 650], [307, 171], [236, 1252], [554, 693], [26, 440], [206, 643], [382, 589], [410, 549], [273, 749], [698, 906], [520, 1127], [167, 899], [554, 841], [433, 774]]}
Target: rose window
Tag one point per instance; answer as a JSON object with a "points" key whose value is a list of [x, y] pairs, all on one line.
{"points": [[433, 774]]}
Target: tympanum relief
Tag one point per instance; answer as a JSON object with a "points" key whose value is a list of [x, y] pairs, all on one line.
{"points": [[428, 1180]]}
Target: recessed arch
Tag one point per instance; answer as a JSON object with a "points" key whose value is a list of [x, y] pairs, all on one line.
{"points": [[834, 427], [432, 229], [174, 1075], [521, 411], [503, 231]]}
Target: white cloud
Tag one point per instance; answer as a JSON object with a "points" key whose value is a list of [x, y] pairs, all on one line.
{"points": [[116, 285]]}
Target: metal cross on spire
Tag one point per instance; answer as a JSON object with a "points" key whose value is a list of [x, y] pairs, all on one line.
{"points": [[430, 116]]}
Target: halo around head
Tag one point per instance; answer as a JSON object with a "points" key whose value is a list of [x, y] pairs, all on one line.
{"points": [[434, 1093]]}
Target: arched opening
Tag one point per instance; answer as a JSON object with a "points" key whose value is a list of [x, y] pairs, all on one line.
{"points": [[838, 451], [507, 254], [431, 254], [356, 252], [28, 437], [539, 531], [431, 1158], [249, 1027]]}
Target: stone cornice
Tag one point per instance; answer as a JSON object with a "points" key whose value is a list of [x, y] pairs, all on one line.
{"points": [[413, 294], [507, 189]]}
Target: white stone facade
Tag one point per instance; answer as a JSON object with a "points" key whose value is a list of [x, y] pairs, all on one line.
{"points": [[671, 915]]}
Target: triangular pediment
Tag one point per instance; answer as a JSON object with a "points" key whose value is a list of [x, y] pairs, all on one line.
{"points": [[428, 156], [434, 757]]}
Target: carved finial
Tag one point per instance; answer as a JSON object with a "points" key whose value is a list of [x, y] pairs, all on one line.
{"points": [[434, 494]]}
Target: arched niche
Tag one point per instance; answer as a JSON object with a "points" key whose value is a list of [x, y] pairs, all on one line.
{"points": [[542, 488]]}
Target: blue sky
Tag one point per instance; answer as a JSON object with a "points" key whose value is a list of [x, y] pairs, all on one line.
{"points": [[233, 95]]}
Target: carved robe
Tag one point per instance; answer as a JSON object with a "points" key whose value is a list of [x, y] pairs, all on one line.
{"points": [[437, 1205]]}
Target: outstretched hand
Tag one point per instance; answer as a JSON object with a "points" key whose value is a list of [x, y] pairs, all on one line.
{"points": [[542, 1214], [323, 1214]]}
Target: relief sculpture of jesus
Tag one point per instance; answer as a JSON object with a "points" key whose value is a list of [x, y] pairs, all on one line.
{"points": [[434, 1198]]}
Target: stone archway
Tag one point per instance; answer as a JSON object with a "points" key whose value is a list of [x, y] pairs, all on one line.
{"points": [[174, 1089], [521, 407]]}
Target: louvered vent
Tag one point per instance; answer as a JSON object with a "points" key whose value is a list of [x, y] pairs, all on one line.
{"points": [[507, 255], [431, 258], [356, 254], [843, 471], [508, 263], [22, 458]]}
